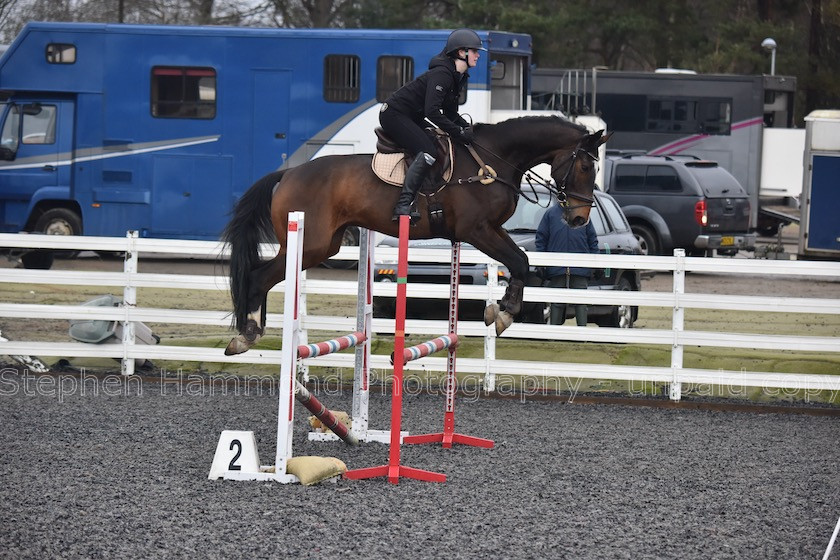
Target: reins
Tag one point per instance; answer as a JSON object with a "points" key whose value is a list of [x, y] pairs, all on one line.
{"points": [[487, 175]]}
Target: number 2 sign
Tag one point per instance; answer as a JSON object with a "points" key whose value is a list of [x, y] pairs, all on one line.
{"points": [[236, 451]]}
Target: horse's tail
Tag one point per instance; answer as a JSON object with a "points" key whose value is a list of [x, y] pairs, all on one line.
{"points": [[249, 226]]}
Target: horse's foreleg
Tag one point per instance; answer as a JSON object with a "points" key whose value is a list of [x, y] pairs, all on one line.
{"points": [[497, 244]]}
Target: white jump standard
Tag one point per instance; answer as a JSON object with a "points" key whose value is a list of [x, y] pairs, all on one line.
{"points": [[236, 455]]}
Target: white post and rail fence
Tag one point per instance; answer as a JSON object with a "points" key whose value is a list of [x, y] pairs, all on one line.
{"points": [[487, 367]]}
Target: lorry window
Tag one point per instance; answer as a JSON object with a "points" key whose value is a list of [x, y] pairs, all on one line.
{"points": [[715, 117], [11, 128], [671, 115], [39, 127], [59, 53], [392, 72], [690, 116], [342, 78], [183, 92]]}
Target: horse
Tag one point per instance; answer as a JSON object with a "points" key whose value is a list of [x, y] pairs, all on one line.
{"points": [[340, 191]]}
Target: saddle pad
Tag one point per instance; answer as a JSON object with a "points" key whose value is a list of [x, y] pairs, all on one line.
{"points": [[391, 167]]}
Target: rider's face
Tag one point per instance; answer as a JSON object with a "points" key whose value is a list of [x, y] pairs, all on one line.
{"points": [[472, 57]]}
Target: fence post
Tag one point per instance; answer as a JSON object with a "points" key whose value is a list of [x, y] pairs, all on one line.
{"points": [[303, 334], [364, 317], [490, 332], [129, 300], [678, 324]]}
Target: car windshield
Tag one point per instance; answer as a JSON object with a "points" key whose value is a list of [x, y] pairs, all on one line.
{"points": [[528, 214]]}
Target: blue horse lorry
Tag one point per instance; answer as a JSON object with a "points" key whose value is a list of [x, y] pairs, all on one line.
{"points": [[160, 129]]}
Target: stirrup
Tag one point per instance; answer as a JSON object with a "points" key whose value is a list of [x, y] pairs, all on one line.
{"points": [[413, 216]]}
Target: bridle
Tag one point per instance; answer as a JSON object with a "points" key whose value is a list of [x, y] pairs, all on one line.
{"points": [[560, 191]]}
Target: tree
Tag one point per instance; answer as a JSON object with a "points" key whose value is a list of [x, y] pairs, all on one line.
{"points": [[311, 13], [704, 35], [181, 12]]}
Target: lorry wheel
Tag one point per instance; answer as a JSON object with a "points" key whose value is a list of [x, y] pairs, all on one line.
{"points": [[60, 221], [648, 240]]}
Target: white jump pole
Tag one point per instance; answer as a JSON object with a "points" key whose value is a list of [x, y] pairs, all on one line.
{"points": [[831, 541]]}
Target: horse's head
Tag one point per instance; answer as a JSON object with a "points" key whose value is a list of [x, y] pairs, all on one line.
{"points": [[573, 171]]}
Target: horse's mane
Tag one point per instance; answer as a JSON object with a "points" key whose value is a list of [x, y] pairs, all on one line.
{"points": [[534, 120]]}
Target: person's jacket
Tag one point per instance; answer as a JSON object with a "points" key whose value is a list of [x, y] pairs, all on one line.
{"points": [[433, 95], [555, 236]]}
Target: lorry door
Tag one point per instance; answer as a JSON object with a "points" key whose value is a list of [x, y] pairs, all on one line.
{"points": [[38, 135], [270, 138], [823, 229]]}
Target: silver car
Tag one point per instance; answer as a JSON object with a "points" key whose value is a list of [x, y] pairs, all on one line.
{"points": [[614, 236]]}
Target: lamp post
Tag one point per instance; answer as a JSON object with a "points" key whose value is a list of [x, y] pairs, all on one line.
{"points": [[769, 44]]}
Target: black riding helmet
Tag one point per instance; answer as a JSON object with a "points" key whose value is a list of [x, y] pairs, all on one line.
{"points": [[462, 39]]}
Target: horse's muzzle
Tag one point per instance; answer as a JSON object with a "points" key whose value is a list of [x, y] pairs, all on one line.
{"points": [[578, 221]]}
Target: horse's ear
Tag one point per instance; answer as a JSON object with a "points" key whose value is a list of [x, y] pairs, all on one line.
{"points": [[604, 137], [592, 141]]}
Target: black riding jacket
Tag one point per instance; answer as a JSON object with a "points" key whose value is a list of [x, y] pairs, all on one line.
{"points": [[433, 95]]}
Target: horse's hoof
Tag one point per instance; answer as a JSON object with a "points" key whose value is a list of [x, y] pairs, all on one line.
{"points": [[237, 345], [503, 321], [490, 314]]}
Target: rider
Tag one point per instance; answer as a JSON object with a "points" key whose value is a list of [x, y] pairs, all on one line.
{"points": [[434, 96]]}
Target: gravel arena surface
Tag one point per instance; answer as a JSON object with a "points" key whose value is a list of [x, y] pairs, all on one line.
{"points": [[105, 470]]}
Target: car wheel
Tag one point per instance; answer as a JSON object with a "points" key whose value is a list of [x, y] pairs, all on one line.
{"points": [[648, 240], [384, 307], [37, 259], [622, 316], [349, 239], [110, 255], [537, 313], [60, 221]]}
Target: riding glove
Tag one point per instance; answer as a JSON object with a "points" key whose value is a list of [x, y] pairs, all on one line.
{"points": [[467, 136]]}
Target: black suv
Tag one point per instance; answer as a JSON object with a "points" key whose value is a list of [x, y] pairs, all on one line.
{"points": [[614, 236], [680, 202]]}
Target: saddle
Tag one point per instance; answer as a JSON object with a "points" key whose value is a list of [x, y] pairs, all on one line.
{"points": [[391, 161]]}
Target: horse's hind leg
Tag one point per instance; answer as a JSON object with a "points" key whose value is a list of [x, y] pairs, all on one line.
{"points": [[267, 275], [262, 279]]}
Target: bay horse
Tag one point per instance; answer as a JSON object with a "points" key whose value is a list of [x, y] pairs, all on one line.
{"points": [[340, 191]]}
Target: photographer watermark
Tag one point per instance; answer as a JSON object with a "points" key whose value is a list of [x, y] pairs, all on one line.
{"points": [[61, 386]]}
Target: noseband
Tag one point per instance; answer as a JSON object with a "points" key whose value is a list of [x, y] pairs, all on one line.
{"points": [[562, 195]]}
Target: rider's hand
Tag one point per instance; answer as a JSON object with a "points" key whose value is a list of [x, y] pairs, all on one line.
{"points": [[467, 136]]}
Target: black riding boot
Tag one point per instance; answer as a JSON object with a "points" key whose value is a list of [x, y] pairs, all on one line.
{"points": [[414, 177]]}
